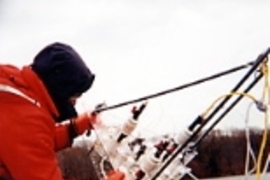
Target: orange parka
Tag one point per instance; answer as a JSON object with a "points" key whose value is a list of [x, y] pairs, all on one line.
{"points": [[29, 135]]}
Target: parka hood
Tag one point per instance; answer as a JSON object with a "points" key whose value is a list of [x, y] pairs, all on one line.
{"points": [[64, 74]]}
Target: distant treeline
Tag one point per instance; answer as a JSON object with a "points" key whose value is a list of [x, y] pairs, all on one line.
{"points": [[219, 154], [224, 153]]}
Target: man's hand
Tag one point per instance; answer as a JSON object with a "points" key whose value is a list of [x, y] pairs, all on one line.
{"points": [[85, 122]]}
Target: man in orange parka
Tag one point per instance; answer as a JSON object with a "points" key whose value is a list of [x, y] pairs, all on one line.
{"points": [[34, 101]]}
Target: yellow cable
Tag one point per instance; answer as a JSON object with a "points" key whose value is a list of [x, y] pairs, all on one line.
{"points": [[266, 94], [259, 161], [226, 95]]}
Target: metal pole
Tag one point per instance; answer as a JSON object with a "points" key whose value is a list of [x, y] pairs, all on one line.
{"points": [[226, 111], [181, 87], [256, 64]]}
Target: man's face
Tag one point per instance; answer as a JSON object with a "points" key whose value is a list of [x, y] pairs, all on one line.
{"points": [[73, 99]]}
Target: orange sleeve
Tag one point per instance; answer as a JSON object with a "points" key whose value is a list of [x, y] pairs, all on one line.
{"points": [[29, 146], [29, 138], [62, 138], [65, 133]]}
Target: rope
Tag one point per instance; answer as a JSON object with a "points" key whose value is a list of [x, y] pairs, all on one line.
{"points": [[267, 164], [249, 150]]}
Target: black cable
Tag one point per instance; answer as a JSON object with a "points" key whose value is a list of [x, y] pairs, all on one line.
{"points": [[226, 111], [180, 149], [256, 64], [261, 58], [199, 140], [196, 82]]}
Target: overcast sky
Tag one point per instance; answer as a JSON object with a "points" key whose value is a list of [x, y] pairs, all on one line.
{"points": [[139, 47]]}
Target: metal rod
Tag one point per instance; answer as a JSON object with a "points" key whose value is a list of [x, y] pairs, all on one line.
{"points": [[180, 149], [181, 87], [226, 111], [257, 62]]}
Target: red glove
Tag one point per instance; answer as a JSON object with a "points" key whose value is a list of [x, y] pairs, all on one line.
{"points": [[115, 175], [85, 121]]}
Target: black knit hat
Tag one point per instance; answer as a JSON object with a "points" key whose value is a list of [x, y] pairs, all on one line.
{"points": [[64, 74]]}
